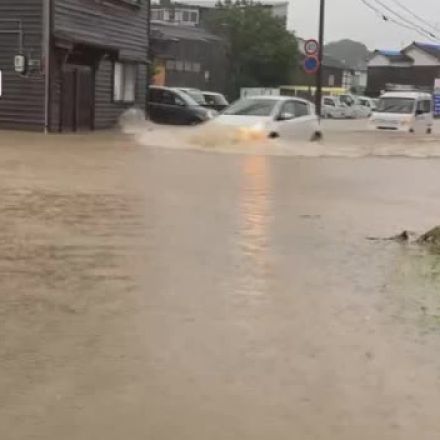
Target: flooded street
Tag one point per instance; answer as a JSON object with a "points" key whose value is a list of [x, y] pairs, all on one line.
{"points": [[167, 290]]}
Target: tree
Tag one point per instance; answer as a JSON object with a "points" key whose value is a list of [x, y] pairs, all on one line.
{"points": [[262, 53]]}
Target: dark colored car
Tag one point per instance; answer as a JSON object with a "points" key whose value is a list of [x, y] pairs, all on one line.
{"points": [[167, 105], [215, 101]]}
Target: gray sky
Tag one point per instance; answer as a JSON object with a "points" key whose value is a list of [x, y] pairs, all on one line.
{"points": [[352, 19]]}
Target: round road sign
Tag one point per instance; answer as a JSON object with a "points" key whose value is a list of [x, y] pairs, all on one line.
{"points": [[311, 47], [311, 65]]}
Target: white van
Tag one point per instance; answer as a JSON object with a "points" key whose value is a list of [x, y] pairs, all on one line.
{"points": [[333, 108], [404, 111], [367, 106]]}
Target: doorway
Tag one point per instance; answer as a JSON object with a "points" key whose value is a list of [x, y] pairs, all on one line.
{"points": [[77, 98]]}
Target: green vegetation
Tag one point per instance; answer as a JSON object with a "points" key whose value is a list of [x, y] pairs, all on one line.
{"points": [[262, 53]]}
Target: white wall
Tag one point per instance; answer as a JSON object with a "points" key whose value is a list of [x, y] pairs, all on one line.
{"points": [[379, 61], [421, 58]]}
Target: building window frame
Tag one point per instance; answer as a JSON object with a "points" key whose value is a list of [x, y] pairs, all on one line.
{"points": [[125, 77]]}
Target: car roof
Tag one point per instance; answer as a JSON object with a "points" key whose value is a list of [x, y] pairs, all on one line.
{"points": [[278, 98], [212, 93], [410, 95]]}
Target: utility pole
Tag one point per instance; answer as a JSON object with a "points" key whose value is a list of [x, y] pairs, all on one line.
{"points": [[319, 78]]}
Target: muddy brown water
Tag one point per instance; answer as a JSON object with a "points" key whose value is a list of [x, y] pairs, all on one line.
{"points": [[178, 293]]}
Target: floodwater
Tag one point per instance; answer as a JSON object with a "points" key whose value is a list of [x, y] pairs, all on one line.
{"points": [[161, 291]]}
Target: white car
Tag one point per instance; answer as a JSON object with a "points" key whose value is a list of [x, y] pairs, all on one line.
{"points": [[272, 117], [367, 106], [333, 108], [404, 111]]}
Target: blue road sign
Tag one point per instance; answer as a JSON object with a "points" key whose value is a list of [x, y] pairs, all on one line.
{"points": [[436, 104], [311, 65]]}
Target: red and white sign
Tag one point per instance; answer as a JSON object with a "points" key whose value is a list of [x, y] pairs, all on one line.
{"points": [[311, 47]]}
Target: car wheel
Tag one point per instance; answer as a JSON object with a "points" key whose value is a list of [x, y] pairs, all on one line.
{"points": [[274, 135], [316, 136]]}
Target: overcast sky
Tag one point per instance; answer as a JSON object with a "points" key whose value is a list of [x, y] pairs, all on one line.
{"points": [[352, 19]]}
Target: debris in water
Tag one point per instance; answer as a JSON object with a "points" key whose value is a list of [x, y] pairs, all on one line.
{"points": [[403, 237], [430, 238]]}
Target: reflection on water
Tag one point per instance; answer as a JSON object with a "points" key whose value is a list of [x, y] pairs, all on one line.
{"points": [[254, 210]]}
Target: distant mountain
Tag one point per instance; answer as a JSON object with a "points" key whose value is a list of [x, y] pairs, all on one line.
{"points": [[351, 53]]}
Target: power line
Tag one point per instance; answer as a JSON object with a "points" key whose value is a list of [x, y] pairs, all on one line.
{"points": [[406, 20], [413, 14], [412, 26]]}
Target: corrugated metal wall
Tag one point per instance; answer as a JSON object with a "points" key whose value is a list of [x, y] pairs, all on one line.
{"points": [[112, 22], [22, 101], [106, 111]]}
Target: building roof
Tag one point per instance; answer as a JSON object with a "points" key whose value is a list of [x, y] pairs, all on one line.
{"points": [[432, 49], [393, 55], [176, 32]]}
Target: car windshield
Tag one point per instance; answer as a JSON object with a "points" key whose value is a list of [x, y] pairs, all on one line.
{"points": [[346, 99], [252, 107], [215, 99], [196, 95], [396, 105]]}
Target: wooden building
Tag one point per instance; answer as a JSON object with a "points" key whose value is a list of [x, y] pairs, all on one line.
{"points": [[71, 65], [417, 65], [188, 56]]}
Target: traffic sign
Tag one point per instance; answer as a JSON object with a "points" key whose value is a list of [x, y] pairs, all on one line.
{"points": [[311, 47], [311, 65]]}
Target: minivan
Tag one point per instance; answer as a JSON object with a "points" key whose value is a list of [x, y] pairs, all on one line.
{"points": [[404, 111], [333, 108], [167, 105]]}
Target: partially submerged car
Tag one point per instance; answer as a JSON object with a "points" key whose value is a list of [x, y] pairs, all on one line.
{"points": [[168, 105], [215, 101], [273, 116]]}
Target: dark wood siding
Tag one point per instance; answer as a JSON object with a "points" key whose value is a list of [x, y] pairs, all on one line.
{"points": [[420, 76], [22, 101], [110, 23], [116, 30], [107, 112]]}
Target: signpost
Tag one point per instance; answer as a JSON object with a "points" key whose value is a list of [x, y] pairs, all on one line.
{"points": [[311, 61], [311, 64], [437, 97], [311, 47]]}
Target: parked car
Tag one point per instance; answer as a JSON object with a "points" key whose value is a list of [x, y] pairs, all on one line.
{"points": [[195, 94], [404, 111], [215, 101], [273, 116], [367, 106], [167, 105], [333, 108]]}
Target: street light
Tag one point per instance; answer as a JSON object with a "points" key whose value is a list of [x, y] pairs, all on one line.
{"points": [[319, 75]]}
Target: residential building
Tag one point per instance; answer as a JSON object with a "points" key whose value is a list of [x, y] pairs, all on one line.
{"points": [[196, 13], [71, 65], [417, 65], [188, 56]]}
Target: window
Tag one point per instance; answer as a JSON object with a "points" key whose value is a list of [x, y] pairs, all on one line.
{"points": [[124, 82], [187, 16], [301, 109], [188, 66], [328, 101], [196, 67], [179, 66], [289, 109], [425, 106], [171, 65], [331, 80]]}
